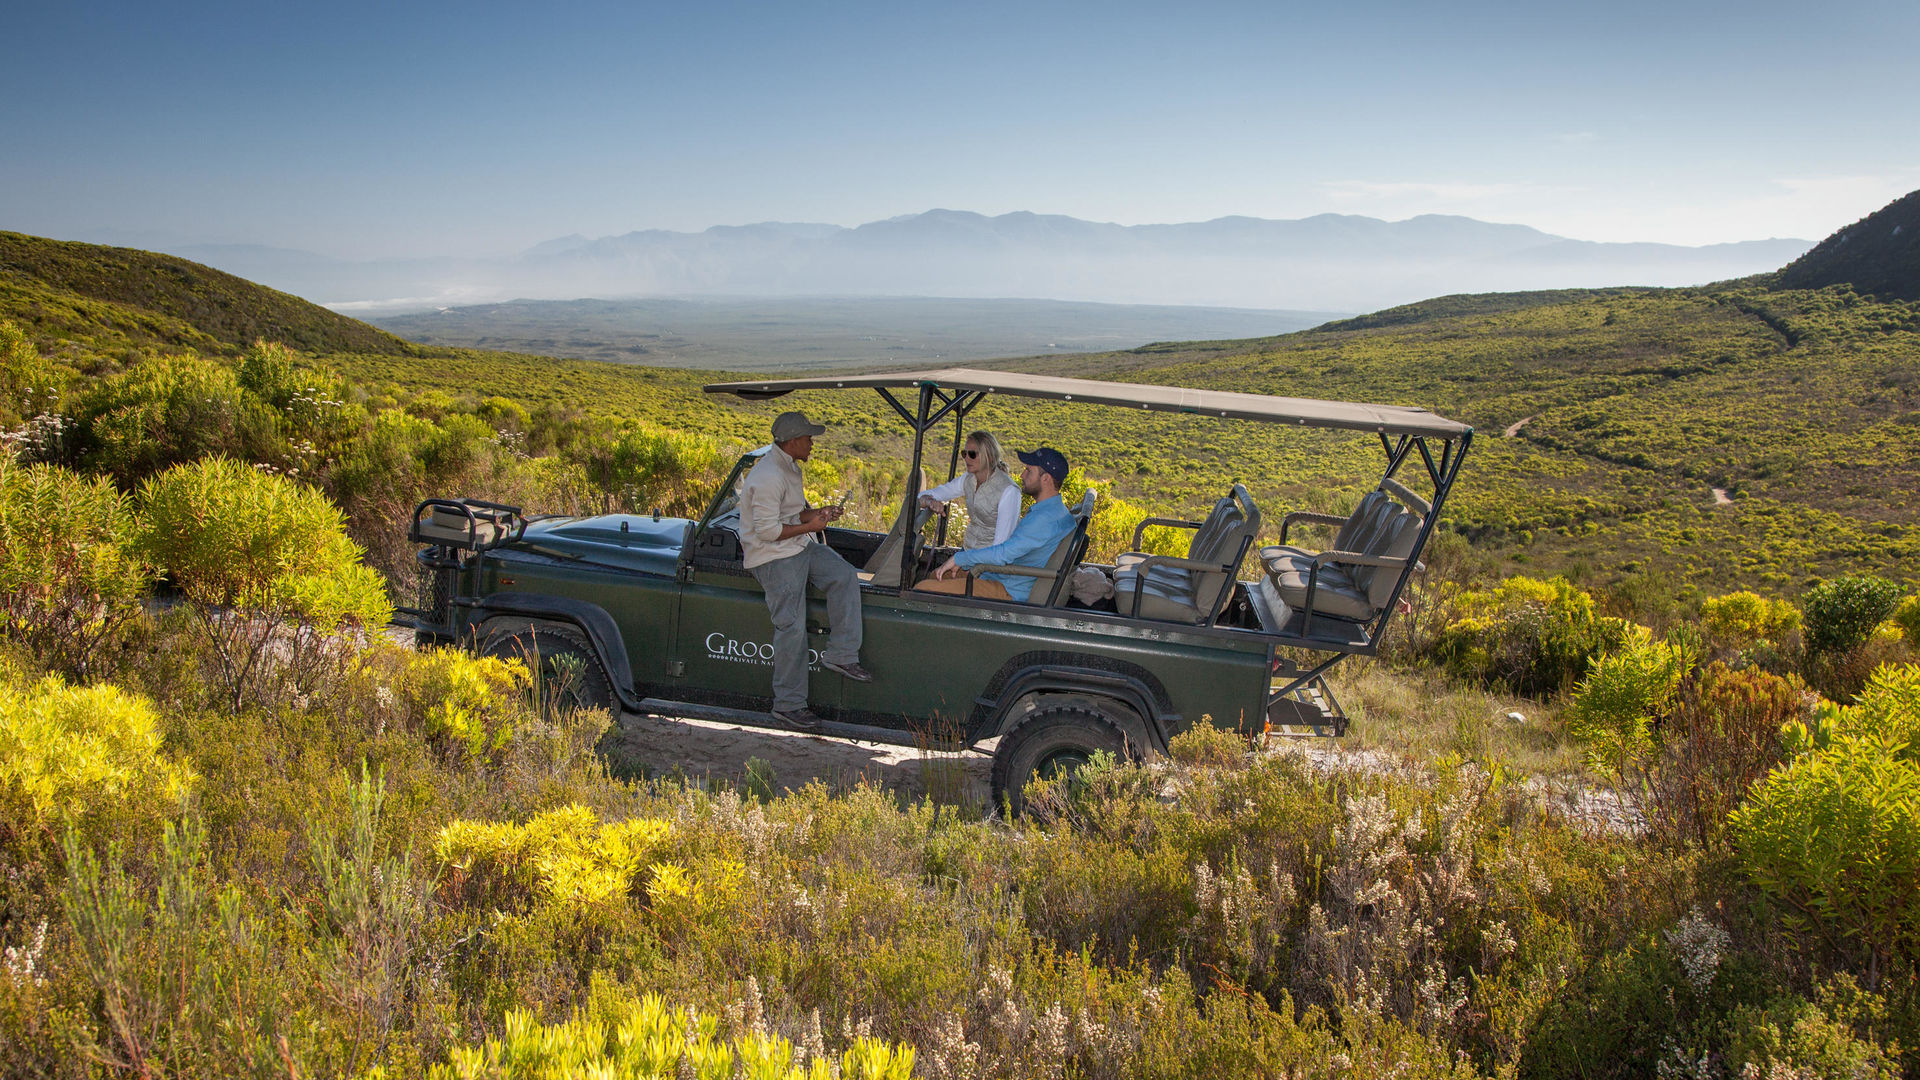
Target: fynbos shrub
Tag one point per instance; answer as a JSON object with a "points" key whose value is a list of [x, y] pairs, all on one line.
{"points": [[1624, 697], [563, 856], [170, 410], [69, 576], [261, 557], [647, 1038], [474, 702], [1535, 637], [1842, 613], [1836, 832], [78, 753], [1743, 619]]}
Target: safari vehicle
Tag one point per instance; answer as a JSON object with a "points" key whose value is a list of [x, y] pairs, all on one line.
{"points": [[657, 614]]}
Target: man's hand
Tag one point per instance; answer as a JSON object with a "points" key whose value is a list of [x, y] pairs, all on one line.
{"points": [[947, 569], [820, 516]]}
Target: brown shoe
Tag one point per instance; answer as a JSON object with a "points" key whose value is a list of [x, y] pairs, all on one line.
{"points": [[852, 671], [801, 719]]}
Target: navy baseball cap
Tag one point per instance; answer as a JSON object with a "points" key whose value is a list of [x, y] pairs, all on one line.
{"points": [[1049, 461]]}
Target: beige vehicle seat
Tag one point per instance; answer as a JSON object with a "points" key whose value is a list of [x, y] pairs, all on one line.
{"points": [[1354, 579], [1196, 588]]}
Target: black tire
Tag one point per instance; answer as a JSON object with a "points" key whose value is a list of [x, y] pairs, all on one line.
{"points": [[1051, 740], [562, 657]]}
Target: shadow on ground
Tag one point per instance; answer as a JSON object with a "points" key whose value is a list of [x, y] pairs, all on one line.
{"points": [[703, 750]]}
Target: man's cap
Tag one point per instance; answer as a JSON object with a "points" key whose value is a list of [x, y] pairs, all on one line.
{"points": [[1049, 461], [794, 425]]}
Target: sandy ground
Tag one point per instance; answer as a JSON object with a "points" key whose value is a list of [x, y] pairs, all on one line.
{"points": [[703, 749]]}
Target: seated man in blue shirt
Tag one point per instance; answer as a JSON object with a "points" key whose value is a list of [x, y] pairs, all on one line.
{"points": [[1031, 544]]}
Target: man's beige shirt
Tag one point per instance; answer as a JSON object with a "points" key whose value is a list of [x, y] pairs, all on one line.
{"points": [[772, 496]]}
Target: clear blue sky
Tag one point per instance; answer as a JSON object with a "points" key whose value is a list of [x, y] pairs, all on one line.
{"points": [[360, 130]]}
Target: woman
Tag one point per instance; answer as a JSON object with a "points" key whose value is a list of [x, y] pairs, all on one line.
{"points": [[992, 495]]}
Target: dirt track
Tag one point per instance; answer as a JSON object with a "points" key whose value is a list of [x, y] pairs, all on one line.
{"points": [[702, 749]]}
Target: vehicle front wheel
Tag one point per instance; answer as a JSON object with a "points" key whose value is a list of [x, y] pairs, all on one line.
{"points": [[1053, 741], [567, 669]]}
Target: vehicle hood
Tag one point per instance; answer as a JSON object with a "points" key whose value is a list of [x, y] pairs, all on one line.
{"points": [[631, 541]]}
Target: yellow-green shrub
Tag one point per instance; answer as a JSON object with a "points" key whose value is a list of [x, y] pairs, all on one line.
{"points": [[564, 856], [1744, 618], [1114, 521], [30, 384], [231, 535], [169, 410], [477, 702], [68, 571], [1623, 697], [1836, 832], [645, 1039], [644, 467], [1907, 618], [68, 752], [1535, 637]]}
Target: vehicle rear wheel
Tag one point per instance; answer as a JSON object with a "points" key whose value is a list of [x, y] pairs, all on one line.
{"points": [[566, 667], [1053, 741]]}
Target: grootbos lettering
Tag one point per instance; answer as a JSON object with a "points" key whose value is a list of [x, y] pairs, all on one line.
{"points": [[732, 651]]}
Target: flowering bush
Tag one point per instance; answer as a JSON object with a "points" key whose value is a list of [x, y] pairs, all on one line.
{"points": [[69, 576], [1535, 637], [1742, 619], [74, 752], [474, 702], [644, 1039], [1907, 618], [564, 856]]}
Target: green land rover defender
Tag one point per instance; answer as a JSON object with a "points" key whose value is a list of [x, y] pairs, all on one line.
{"points": [[657, 615]]}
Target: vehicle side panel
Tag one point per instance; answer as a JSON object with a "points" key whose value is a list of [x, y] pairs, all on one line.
{"points": [[641, 604], [725, 642], [933, 660]]}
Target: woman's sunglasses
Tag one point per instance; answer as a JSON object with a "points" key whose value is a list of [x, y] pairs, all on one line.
{"points": [[971, 454]]}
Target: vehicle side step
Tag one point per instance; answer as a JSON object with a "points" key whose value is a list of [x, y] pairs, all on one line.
{"points": [[1309, 712], [749, 718]]}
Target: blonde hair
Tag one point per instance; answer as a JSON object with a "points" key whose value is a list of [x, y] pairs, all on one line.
{"points": [[996, 458]]}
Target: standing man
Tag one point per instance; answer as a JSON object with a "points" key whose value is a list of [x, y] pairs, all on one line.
{"points": [[1031, 544], [779, 544]]}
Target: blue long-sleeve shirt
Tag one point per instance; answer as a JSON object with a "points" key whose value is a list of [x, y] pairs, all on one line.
{"points": [[1031, 544]]}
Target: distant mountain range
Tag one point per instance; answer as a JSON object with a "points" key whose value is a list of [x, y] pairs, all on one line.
{"points": [[1330, 262]]}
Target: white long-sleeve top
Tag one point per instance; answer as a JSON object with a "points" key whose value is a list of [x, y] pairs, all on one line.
{"points": [[1007, 509], [772, 496]]}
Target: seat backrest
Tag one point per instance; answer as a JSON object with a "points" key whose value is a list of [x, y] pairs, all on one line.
{"points": [[1216, 542], [1363, 515], [1212, 588], [1210, 526], [1066, 555], [1367, 525], [1394, 540]]}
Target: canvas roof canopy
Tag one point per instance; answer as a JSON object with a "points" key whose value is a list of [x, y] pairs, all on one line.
{"points": [[1308, 412]]}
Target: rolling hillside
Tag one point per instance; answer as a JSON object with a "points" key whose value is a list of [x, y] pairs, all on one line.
{"points": [[1732, 435], [1878, 255], [59, 288]]}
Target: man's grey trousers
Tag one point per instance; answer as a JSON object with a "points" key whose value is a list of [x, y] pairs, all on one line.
{"points": [[786, 581]]}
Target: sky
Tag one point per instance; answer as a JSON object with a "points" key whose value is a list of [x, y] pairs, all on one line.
{"points": [[478, 129]]}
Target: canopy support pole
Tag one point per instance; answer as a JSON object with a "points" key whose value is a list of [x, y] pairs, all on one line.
{"points": [[920, 425]]}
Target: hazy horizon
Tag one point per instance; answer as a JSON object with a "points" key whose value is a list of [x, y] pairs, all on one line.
{"points": [[479, 130]]}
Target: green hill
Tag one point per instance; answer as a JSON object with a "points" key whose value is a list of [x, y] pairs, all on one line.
{"points": [[57, 288], [1878, 255], [1739, 435]]}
